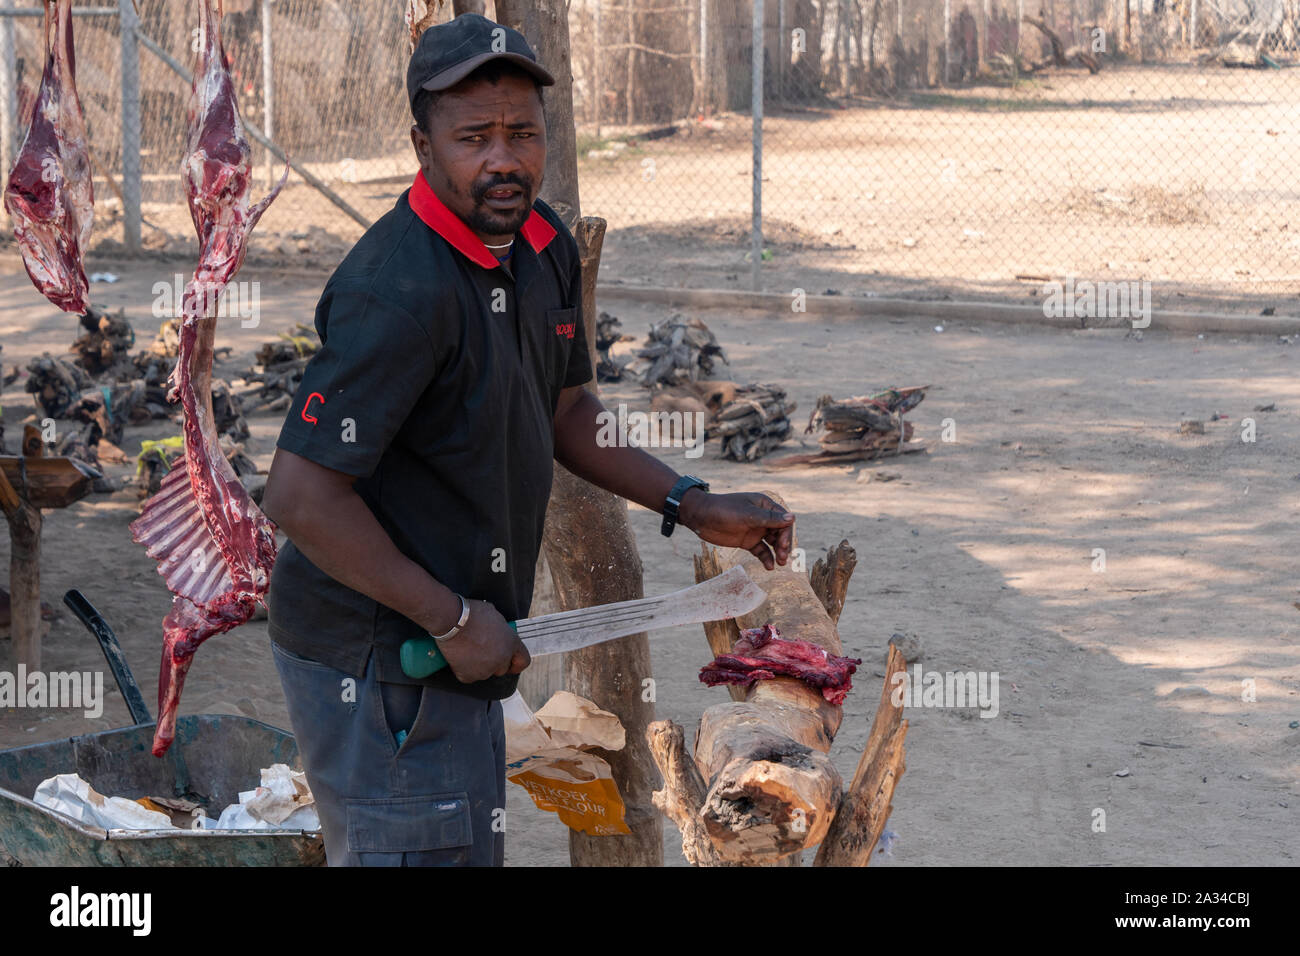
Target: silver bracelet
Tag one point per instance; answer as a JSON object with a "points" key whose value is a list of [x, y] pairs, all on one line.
{"points": [[464, 616]]}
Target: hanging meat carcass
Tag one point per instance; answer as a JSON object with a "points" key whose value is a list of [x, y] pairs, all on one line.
{"points": [[213, 545], [50, 193]]}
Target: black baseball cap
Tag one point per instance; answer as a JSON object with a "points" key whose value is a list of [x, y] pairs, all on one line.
{"points": [[449, 52]]}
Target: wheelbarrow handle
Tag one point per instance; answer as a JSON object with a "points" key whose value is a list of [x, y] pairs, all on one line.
{"points": [[95, 623]]}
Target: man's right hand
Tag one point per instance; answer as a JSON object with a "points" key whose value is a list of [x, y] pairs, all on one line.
{"points": [[487, 646]]}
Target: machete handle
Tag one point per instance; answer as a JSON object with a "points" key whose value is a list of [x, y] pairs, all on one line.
{"points": [[421, 657]]}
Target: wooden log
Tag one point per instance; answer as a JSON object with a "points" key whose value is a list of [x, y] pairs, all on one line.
{"points": [[866, 805], [45, 482], [683, 792], [772, 789], [24, 563], [721, 635], [830, 578]]}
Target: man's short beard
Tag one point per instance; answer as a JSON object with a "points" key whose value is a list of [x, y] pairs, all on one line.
{"points": [[493, 223]]}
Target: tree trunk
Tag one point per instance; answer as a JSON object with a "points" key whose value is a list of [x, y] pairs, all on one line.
{"points": [[855, 37], [589, 546], [612, 674], [545, 24], [871, 38], [632, 53], [833, 62]]}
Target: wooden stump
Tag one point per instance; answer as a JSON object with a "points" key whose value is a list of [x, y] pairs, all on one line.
{"points": [[593, 560]]}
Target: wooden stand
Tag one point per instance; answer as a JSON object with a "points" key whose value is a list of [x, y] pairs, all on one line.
{"points": [[28, 483], [761, 787]]}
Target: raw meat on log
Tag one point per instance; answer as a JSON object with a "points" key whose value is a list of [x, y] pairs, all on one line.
{"points": [[762, 654], [766, 787], [50, 193], [213, 545]]}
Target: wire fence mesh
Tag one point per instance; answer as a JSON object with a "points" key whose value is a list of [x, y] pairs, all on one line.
{"points": [[908, 145]]}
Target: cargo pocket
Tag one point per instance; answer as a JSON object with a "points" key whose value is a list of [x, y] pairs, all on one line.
{"points": [[381, 831]]}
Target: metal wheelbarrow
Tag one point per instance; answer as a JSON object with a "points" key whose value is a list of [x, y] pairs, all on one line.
{"points": [[213, 758]]}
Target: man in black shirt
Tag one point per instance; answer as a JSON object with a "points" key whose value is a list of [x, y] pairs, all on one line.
{"points": [[413, 471]]}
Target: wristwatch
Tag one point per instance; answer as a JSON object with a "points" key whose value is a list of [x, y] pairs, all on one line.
{"points": [[464, 616], [674, 501]]}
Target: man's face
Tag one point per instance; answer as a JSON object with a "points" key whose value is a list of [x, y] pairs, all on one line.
{"points": [[485, 153]]}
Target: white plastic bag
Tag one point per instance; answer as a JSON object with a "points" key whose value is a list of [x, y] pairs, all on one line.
{"points": [[70, 795]]}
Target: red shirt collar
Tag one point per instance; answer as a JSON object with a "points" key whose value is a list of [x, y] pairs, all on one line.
{"points": [[435, 215]]}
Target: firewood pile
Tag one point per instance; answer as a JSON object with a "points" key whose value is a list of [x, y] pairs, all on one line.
{"points": [[862, 427], [227, 412], [102, 349], [753, 421], [271, 383], [154, 461], [678, 350], [100, 388], [157, 457], [94, 414], [156, 362], [608, 368], [55, 384]]}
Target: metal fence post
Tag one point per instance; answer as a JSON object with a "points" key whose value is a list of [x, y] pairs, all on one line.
{"points": [[1191, 38], [129, 22], [8, 91], [268, 91], [756, 105]]}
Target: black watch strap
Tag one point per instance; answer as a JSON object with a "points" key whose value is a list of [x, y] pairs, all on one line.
{"points": [[674, 501]]}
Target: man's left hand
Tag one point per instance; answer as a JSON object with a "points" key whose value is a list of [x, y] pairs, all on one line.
{"points": [[746, 520]]}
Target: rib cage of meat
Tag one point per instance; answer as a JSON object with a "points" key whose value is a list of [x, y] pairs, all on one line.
{"points": [[50, 192], [214, 547]]}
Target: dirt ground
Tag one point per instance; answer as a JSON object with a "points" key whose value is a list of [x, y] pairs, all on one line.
{"points": [[1065, 442]]}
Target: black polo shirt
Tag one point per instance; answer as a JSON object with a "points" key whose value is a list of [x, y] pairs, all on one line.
{"points": [[436, 385]]}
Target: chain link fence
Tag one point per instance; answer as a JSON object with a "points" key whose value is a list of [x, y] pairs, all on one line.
{"points": [[908, 146]]}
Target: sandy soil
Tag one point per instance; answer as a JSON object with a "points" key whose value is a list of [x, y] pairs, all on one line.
{"points": [[984, 549]]}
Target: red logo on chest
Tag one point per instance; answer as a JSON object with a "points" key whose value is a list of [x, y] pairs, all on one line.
{"points": [[565, 329]]}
